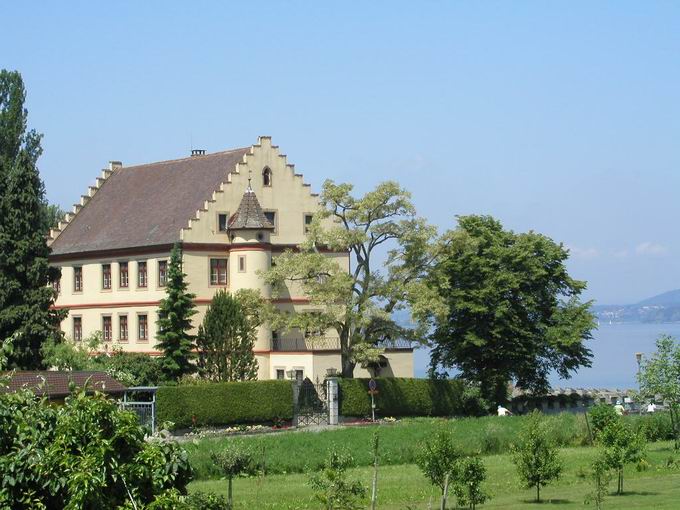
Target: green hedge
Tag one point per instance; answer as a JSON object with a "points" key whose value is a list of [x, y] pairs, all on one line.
{"points": [[411, 397], [225, 403]]}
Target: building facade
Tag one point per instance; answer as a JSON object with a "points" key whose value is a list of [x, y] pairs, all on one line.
{"points": [[233, 212]]}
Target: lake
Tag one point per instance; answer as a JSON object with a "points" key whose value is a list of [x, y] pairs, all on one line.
{"points": [[614, 347]]}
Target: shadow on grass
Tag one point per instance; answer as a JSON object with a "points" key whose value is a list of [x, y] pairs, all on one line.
{"points": [[547, 502], [635, 493]]}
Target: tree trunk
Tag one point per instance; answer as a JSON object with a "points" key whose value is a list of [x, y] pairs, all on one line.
{"points": [[374, 488], [230, 502], [674, 426], [347, 367], [495, 390], [345, 356], [538, 493], [445, 493]]}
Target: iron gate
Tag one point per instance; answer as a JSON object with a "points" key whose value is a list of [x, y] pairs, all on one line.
{"points": [[311, 403], [145, 411], [142, 401]]}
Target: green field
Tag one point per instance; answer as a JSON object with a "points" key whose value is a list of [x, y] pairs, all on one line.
{"points": [[291, 456], [403, 487], [298, 452]]}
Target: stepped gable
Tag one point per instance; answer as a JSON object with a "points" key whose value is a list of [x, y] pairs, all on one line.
{"points": [[145, 205], [249, 214]]}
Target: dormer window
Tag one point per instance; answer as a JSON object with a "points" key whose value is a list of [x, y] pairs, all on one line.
{"points": [[266, 177], [271, 218]]}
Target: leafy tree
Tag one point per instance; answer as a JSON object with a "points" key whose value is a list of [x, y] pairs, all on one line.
{"points": [[86, 454], [53, 214], [438, 460], [660, 375], [332, 489], [71, 356], [130, 368], [601, 476], [25, 296], [226, 337], [234, 460], [513, 311], [536, 455], [601, 416], [468, 487], [621, 446], [358, 305], [174, 321]]}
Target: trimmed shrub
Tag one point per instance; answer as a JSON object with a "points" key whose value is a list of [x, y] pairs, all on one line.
{"points": [[410, 397], [227, 403]]}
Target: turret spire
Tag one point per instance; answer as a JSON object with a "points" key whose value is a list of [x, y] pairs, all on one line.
{"points": [[249, 214]]}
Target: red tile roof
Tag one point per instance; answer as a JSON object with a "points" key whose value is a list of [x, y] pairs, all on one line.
{"points": [[56, 384], [146, 205]]}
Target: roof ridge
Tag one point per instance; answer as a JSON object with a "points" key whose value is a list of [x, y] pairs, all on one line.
{"points": [[167, 161]]}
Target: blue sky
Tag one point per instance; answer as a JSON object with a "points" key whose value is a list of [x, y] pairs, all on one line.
{"points": [[558, 117]]}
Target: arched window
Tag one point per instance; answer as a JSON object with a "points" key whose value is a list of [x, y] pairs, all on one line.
{"points": [[266, 177]]}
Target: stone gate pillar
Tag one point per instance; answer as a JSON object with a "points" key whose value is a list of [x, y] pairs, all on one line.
{"points": [[333, 400]]}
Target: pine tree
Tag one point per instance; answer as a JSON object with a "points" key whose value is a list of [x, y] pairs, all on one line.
{"points": [[174, 321], [226, 338], [25, 296]]}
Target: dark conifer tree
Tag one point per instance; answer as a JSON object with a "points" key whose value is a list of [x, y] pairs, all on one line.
{"points": [[226, 339], [174, 321], [25, 295]]}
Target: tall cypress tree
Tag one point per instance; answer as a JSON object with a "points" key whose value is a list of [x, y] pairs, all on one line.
{"points": [[25, 296], [174, 321]]}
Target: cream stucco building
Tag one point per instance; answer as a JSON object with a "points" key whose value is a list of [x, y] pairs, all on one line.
{"points": [[113, 251]]}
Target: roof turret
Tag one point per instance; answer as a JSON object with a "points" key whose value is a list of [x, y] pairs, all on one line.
{"points": [[249, 214]]}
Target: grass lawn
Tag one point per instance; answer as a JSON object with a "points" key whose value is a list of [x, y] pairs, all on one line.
{"points": [[304, 451], [403, 487]]}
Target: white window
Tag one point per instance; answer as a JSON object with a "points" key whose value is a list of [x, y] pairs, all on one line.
{"points": [[218, 271], [77, 329], [142, 327], [141, 274], [107, 329], [162, 273], [106, 276]]}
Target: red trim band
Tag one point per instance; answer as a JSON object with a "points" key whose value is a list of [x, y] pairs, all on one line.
{"points": [[128, 304], [165, 249]]}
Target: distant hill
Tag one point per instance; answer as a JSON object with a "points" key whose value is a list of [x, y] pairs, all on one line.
{"points": [[661, 308]]}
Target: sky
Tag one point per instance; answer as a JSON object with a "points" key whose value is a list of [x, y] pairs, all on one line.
{"points": [[558, 117]]}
